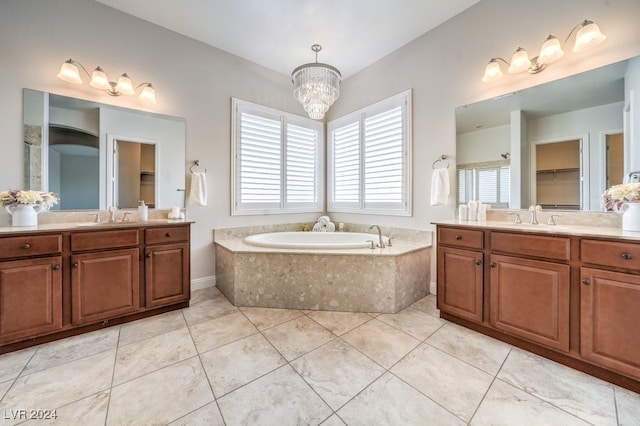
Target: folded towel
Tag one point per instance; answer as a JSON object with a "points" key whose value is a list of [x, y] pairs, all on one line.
{"points": [[318, 228], [323, 220], [439, 186], [330, 227], [198, 190]]}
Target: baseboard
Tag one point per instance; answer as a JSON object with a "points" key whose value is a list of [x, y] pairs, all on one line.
{"points": [[204, 282], [432, 288]]}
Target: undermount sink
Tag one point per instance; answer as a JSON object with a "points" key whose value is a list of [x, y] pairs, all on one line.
{"points": [[539, 227], [104, 223]]}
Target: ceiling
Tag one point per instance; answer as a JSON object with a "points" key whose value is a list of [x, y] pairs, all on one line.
{"points": [[279, 34]]}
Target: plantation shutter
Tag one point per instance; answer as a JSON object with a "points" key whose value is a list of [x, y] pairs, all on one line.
{"points": [[302, 171], [345, 143]]}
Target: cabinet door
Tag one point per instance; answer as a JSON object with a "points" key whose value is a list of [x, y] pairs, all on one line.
{"points": [[104, 285], [610, 319], [167, 274], [530, 299], [460, 282], [30, 298]]}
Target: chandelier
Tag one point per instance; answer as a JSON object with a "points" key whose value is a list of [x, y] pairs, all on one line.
{"points": [[316, 86]]}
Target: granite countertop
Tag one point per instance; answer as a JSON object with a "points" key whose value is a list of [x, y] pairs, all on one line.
{"points": [[564, 229], [237, 245], [78, 226]]}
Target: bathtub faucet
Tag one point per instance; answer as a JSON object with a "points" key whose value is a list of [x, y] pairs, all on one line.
{"points": [[380, 241]]}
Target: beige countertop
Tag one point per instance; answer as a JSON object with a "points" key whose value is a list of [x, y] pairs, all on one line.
{"points": [[78, 226], [564, 229]]}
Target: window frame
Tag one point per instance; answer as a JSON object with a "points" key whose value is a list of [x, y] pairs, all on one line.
{"points": [[238, 208], [404, 207], [472, 187]]}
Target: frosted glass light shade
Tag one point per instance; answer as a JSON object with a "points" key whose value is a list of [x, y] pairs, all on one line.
{"points": [[124, 85], [588, 36], [99, 79], [148, 94], [550, 51], [492, 72], [69, 72], [520, 61]]}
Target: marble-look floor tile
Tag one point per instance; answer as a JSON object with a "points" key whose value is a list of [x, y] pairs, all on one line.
{"points": [[297, 337], [207, 310], [628, 405], [384, 344], [333, 421], [72, 348], [584, 396], [507, 405], [337, 372], [162, 396], [150, 327], [61, 385], [238, 363], [427, 305], [138, 359], [456, 385], [264, 318], [220, 331], [279, 398], [339, 322], [413, 322], [390, 401], [204, 294], [4, 387], [208, 415], [88, 411], [13, 363], [481, 351]]}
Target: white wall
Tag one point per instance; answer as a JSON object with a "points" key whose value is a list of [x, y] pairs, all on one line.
{"points": [[195, 81], [483, 145]]}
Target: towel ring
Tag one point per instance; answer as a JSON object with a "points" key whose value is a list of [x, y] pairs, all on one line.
{"points": [[442, 158], [196, 163]]}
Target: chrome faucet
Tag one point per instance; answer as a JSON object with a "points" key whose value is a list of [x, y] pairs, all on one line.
{"points": [[534, 209], [380, 241]]}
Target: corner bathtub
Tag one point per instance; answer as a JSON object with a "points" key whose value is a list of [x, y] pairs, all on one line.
{"points": [[330, 271], [313, 240]]}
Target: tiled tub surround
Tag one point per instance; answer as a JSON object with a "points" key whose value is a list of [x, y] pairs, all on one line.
{"points": [[356, 280]]}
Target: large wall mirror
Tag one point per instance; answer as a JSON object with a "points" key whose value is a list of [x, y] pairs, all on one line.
{"points": [[95, 155], [560, 144]]}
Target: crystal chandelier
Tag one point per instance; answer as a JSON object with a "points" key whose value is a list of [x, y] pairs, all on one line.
{"points": [[316, 86]]}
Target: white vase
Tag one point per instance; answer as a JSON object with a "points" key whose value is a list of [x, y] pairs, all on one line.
{"points": [[24, 214], [631, 217]]}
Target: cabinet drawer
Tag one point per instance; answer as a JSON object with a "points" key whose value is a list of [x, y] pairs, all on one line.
{"points": [[30, 245], [558, 248], [460, 237], [608, 253], [104, 239], [166, 234]]}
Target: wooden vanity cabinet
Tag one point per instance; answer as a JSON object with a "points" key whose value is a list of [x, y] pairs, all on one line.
{"points": [[167, 266]]}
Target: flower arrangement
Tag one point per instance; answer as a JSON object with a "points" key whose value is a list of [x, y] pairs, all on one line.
{"points": [[13, 197], [614, 197]]}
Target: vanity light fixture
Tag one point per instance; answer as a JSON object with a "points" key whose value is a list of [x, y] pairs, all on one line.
{"points": [[588, 35], [316, 86], [99, 80]]}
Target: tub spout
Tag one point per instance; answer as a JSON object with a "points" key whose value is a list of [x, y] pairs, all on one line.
{"points": [[380, 241]]}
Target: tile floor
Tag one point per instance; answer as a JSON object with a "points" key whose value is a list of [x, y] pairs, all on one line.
{"points": [[214, 364]]}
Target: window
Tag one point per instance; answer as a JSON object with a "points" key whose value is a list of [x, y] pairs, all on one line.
{"points": [[484, 182], [369, 159], [277, 161]]}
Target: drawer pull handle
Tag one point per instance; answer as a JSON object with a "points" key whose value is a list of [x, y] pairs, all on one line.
{"points": [[627, 256], [478, 262], [493, 264], [74, 265], [458, 237], [586, 282], [168, 234], [26, 246], [148, 255], [56, 267]]}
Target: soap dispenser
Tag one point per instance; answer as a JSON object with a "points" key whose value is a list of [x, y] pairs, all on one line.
{"points": [[143, 211]]}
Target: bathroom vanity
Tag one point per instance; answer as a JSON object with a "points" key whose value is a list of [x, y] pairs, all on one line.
{"points": [[65, 279], [571, 294]]}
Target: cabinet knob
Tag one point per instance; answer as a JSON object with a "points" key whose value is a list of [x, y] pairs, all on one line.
{"points": [[148, 255], [493, 264], [26, 246], [627, 256], [168, 234], [458, 237], [586, 281], [74, 265], [478, 262], [56, 267]]}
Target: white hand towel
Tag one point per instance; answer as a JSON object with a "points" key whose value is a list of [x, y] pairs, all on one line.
{"points": [[198, 190], [439, 186]]}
